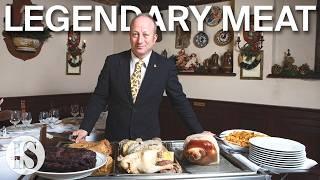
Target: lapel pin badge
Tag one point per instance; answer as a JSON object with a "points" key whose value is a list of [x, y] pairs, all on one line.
{"points": [[154, 65]]}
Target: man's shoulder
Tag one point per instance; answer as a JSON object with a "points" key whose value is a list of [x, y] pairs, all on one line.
{"points": [[119, 56]]}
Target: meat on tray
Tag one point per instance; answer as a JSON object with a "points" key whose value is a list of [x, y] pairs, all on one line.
{"points": [[63, 159], [202, 149], [146, 157]]}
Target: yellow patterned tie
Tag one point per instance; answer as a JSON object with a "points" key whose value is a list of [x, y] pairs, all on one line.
{"points": [[135, 80]]}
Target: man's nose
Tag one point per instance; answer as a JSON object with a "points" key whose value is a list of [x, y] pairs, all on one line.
{"points": [[140, 39]]}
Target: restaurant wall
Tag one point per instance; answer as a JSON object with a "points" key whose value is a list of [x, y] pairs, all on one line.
{"points": [[280, 92], [46, 73]]}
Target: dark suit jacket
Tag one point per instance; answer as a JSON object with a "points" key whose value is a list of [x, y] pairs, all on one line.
{"points": [[140, 119]]}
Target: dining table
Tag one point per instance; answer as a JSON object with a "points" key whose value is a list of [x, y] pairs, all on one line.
{"points": [[55, 135]]}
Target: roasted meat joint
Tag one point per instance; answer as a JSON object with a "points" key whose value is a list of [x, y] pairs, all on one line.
{"points": [[202, 149]]}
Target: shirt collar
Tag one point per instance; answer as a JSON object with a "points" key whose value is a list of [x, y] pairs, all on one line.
{"points": [[135, 59]]}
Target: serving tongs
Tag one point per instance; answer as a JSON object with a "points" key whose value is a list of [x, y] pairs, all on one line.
{"points": [[226, 147]]}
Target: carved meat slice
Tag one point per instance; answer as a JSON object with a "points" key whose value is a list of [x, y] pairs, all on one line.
{"points": [[202, 149]]}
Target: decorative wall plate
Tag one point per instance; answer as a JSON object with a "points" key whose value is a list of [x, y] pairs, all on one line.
{"points": [[201, 39], [214, 16], [222, 38]]}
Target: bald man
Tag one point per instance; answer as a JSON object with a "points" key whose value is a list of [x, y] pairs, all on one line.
{"points": [[132, 84]]}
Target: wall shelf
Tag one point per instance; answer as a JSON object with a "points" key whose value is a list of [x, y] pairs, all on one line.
{"points": [[206, 74], [315, 76]]}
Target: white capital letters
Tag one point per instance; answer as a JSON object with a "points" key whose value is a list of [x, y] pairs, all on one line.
{"points": [[305, 15], [29, 18], [8, 26], [258, 18], [77, 18], [228, 14], [64, 20], [286, 11], [200, 18], [154, 11], [180, 19], [99, 11], [123, 15]]}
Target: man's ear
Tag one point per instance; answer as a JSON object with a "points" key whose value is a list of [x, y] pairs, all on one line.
{"points": [[155, 37]]}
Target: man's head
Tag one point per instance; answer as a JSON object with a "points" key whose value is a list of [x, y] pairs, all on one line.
{"points": [[142, 35]]}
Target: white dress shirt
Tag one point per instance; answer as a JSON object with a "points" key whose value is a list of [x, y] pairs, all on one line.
{"points": [[135, 59]]}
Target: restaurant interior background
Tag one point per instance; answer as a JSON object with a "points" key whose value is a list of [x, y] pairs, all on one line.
{"points": [[46, 73], [267, 105]]}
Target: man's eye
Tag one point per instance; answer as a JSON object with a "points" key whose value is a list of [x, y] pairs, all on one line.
{"points": [[146, 35], [134, 34]]}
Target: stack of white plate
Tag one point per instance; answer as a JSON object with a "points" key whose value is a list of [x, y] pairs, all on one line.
{"points": [[277, 152]]}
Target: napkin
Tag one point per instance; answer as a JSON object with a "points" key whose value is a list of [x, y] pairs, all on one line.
{"points": [[60, 128]]}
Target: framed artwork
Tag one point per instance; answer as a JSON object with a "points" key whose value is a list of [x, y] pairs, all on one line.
{"points": [[183, 37], [74, 52], [253, 73], [73, 64]]}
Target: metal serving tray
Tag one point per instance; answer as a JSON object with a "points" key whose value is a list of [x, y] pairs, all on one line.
{"points": [[228, 168]]}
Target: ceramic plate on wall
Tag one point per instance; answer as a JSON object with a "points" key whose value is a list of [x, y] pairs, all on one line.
{"points": [[200, 40], [214, 16], [222, 38]]}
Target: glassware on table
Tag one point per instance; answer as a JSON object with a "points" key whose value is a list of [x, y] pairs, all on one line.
{"points": [[74, 110], [43, 116], [54, 115], [26, 119], [82, 109], [15, 117]]}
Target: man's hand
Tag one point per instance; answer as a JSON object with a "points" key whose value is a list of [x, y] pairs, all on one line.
{"points": [[80, 134]]}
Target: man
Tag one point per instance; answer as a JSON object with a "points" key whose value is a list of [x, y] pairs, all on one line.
{"points": [[132, 83]]}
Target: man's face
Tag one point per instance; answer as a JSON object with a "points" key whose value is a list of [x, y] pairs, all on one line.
{"points": [[142, 36]]}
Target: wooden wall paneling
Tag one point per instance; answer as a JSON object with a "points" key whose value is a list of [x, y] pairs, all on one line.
{"points": [[171, 125]]}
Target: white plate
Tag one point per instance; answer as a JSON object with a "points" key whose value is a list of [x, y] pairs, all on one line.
{"points": [[278, 158], [101, 160], [277, 153], [278, 161], [234, 146], [265, 163], [278, 144]]}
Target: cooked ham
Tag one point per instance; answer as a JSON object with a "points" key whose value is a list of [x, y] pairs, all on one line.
{"points": [[201, 149]]}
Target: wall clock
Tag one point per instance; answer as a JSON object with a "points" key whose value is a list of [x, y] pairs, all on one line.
{"points": [[200, 40]]}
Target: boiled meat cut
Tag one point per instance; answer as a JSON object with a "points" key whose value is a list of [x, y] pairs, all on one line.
{"points": [[148, 156], [201, 149], [142, 162]]}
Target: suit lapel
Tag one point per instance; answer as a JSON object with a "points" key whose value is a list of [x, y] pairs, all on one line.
{"points": [[148, 77], [125, 73]]}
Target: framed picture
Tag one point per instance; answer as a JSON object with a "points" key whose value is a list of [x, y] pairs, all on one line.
{"points": [[73, 64], [254, 69], [183, 37]]}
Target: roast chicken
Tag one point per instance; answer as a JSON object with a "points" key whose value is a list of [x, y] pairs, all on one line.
{"points": [[146, 157], [201, 149]]}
